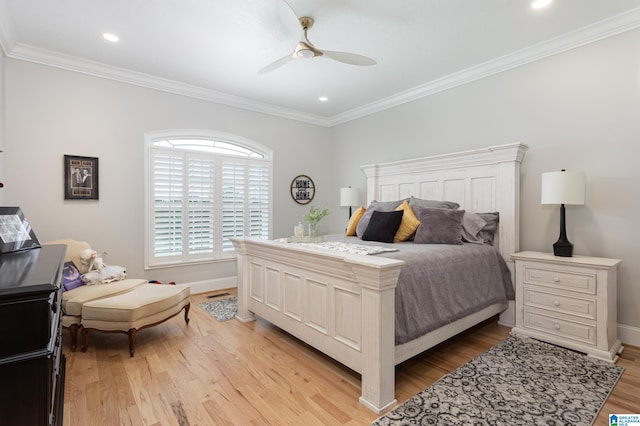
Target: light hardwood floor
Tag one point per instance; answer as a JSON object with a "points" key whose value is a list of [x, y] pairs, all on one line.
{"points": [[233, 373]]}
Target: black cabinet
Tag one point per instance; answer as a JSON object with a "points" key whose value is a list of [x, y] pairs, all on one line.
{"points": [[32, 366]]}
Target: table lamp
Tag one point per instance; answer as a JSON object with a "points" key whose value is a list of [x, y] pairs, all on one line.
{"points": [[349, 197], [563, 188]]}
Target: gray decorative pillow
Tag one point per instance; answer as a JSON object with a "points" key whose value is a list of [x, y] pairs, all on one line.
{"points": [[439, 226], [472, 224], [383, 206], [492, 220], [383, 226], [488, 232], [417, 203]]}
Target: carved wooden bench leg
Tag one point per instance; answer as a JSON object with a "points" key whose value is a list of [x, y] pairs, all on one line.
{"points": [[85, 338], [186, 313], [132, 340], [73, 331]]}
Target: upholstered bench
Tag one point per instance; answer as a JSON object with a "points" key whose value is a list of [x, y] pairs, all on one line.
{"points": [[74, 300], [143, 306]]}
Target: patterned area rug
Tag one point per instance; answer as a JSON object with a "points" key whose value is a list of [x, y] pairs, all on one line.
{"points": [[223, 309], [520, 381]]}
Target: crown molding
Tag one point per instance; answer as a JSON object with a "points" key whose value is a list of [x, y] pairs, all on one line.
{"points": [[606, 28], [609, 27], [97, 69]]}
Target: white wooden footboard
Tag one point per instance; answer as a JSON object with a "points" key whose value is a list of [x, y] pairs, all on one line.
{"points": [[343, 305]]}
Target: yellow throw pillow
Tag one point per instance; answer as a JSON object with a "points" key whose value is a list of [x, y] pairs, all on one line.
{"points": [[408, 225], [353, 221]]}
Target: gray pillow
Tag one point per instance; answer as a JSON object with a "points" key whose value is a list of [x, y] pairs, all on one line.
{"points": [[383, 206], [492, 220], [417, 203], [488, 232], [439, 226], [472, 224]]}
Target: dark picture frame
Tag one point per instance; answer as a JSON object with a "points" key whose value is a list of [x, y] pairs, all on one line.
{"points": [[80, 178], [15, 232]]}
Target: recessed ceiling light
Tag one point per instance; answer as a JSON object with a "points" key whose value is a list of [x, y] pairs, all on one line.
{"points": [[323, 99], [111, 37], [539, 4]]}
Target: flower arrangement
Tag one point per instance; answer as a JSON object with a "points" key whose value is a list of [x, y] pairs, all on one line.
{"points": [[315, 214], [313, 217]]}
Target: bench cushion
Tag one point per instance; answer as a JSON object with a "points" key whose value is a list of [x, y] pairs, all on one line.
{"points": [[144, 305], [73, 300]]}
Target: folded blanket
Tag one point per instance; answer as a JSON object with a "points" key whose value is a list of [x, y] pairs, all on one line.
{"points": [[342, 247]]}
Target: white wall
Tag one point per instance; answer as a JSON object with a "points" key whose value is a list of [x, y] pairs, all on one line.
{"points": [[52, 112], [2, 120], [579, 110]]}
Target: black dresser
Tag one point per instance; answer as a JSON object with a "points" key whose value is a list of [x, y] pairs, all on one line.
{"points": [[32, 366]]}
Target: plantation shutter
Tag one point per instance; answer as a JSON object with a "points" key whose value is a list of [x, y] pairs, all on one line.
{"points": [[233, 202], [201, 190], [168, 171], [258, 212]]}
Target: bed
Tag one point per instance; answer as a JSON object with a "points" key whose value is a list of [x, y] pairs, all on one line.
{"points": [[343, 304]]}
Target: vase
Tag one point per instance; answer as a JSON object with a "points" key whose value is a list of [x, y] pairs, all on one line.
{"points": [[312, 230]]}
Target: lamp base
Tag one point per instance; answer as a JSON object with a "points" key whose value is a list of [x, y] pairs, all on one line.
{"points": [[563, 248]]}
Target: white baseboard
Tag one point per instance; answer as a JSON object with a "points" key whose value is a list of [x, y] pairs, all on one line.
{"points": [[629, 335], [212, 285]]}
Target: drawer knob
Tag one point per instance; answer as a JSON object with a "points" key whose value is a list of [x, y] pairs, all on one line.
{"points": [[556, 326], [556, 303], [556, 279]]}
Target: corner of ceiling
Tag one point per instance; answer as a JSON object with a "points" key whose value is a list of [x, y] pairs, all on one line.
{"points": [[7, 40], [609, 27]]}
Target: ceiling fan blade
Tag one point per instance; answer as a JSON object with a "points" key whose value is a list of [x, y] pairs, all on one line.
{"points": [[290, 8], [275, 65], [349, 58]]}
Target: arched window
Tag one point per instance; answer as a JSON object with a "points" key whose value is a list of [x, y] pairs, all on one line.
{"points": [[202, 188]]}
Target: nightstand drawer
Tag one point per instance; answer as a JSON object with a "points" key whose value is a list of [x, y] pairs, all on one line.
{"points": [[574, 279], [581, 332], [569, 305]]}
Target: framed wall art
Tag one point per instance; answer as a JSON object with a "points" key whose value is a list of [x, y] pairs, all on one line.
{"points": [[15, 232], [302, 189], [80, 178]]}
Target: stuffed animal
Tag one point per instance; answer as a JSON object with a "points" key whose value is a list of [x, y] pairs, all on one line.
{"points": [[91, 261], [105, 275], [95, 270]]}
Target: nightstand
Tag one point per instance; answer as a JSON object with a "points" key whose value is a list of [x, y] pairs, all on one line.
{"points": [[568, 301]]}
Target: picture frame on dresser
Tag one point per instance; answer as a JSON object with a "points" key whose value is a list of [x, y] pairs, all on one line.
{"points": [[16, 233]]}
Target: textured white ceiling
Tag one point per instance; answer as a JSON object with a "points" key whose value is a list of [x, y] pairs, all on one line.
{"points": [[214, 48]]}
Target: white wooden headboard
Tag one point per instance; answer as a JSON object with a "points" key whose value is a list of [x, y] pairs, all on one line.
{"points": [[480, 180]]}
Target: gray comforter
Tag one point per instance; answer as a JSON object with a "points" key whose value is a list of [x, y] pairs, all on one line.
{"points": [[442, 283]]}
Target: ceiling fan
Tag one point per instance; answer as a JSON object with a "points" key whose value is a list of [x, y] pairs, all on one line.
{"points": [[306, 50]]}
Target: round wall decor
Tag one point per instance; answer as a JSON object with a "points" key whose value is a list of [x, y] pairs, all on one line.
{"points": [[302, 189]]}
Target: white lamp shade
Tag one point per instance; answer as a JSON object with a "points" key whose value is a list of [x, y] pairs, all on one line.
{"points": [[563, 188], [349, 197]]}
